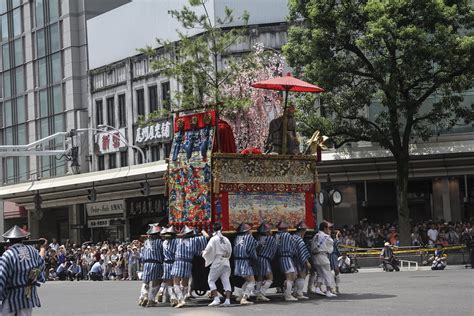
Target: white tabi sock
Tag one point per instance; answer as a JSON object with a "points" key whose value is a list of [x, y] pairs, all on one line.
{"points": [[164, 292], [249, 289], [216, 299], [258, 287], [265, 286], [242, 289], [288, 287], [144, 291], [186, 292], [152, 294], [337, 279], [171, 293], [299, 286], [178, 292], [311, 280]]}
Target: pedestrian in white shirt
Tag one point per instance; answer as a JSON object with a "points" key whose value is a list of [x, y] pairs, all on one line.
{"points": [[217, 255], [432, 235]]}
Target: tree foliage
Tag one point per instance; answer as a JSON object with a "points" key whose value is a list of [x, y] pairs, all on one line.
{"points": [[387, 58], [194, 61]]}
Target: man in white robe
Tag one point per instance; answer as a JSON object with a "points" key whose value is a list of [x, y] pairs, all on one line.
{"points": [[217, 255]]}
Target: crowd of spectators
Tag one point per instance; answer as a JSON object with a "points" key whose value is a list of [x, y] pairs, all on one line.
{"points": [[121, 261], [425, 234], [101, 261]]}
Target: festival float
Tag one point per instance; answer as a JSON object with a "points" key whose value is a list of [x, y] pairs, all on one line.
{"points": [[208, 181]]}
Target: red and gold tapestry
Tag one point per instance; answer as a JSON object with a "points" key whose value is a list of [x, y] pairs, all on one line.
{"points": [[257, 188], [189, 173]]}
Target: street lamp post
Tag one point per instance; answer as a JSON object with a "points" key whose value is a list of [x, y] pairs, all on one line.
{"points": [[123, 139]]}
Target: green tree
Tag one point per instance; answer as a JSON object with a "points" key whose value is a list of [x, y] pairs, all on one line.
{"points": [[393, 54], [195, 61]]}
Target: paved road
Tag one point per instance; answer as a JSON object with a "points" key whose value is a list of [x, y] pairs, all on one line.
{"points": [[431, 293]]}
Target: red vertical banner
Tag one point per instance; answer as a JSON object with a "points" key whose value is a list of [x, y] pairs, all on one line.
{"points": [[309, 218]]}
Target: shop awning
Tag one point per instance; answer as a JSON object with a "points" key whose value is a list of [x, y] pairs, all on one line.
{"points": [[119, 183]]}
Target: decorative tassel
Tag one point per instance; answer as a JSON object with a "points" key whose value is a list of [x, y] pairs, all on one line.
{"points": [[216, 188], [317, 186]]}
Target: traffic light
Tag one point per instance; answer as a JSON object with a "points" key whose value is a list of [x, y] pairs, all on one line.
{"points": [[92, 195], [145, 190]]}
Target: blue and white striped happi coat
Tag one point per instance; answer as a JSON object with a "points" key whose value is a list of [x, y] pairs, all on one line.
{"points": [[152, 257], [245, 247], [286, 250], [302, 254], [169, 250], [266, 251], [186, 249], [15, 266]]}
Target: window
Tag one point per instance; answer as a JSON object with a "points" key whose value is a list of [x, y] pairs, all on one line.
{"points": [[40, 44], [101, 162], [42, 72], [111, 111], [123, 158], [155, 153], [22, 134], [55, 37], [112, 161], [10, 168], [6, 56], [53, 10], [3, 6], [165, 95], [153, 97], [21, 110], [56, 67], [57, 99], [7, 85], [141, 102], [8, 113], [43, 103], [122, 111], [99, 114], [44, 127], [58, 123], [39, 13], [19, 80], [4, 23], [45, 167], [23, 168], [17, 22], [19, 52]]}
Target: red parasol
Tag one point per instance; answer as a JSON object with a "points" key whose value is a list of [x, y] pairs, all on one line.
{"points": [[287, 83]]}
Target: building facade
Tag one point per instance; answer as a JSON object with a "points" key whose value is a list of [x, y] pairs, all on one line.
{"points": [[43, 88], [125, 104]]}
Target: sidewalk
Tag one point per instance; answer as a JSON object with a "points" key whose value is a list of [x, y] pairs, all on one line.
{"points": [[420, 268]]}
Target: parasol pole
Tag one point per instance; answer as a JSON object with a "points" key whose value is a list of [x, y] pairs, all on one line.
{"points": [[285, 125]]}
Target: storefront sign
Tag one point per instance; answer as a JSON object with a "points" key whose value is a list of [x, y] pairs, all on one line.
{"points": [[98, 223], [105, 208], [159, 132], [112, 141], [153, 205], [95, 223]]}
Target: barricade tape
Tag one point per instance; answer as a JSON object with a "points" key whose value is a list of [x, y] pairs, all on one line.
{"points": [[371, 251]]}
